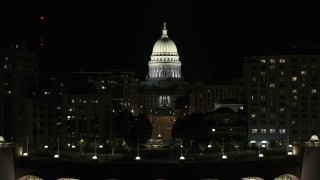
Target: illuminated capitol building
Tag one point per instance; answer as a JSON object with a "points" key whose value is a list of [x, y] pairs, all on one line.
{"points": [[164, 74]]}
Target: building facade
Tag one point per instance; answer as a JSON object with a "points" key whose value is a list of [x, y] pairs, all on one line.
{"points": [[282, 97], [208, 97], [18, 79], [80, 105]]}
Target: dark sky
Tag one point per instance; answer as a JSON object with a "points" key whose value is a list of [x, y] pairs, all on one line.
{"points": [[212, 37]]}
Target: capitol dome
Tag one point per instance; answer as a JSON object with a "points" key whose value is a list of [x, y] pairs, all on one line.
{"points": [[164, 63], [164, 46]]}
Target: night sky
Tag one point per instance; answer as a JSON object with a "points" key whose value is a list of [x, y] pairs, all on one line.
{"points": [[212, 37]]}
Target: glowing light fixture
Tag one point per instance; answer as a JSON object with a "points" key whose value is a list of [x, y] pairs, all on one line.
{"points": [[57, 155], [260, 155]]}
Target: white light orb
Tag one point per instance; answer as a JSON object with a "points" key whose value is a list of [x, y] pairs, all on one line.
{"points": [[261, 155]]}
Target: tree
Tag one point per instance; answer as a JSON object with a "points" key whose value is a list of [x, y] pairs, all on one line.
{"points": [[122, 123], [82, 143], [202, 147], [131, 128], [140, 128], [114, 144], [237, 143], [126, 146], [191, 128]]}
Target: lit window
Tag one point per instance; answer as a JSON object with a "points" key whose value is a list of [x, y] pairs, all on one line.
{"points": [[5, 66], [282, 109], [303, 72], [262, 61], [294, 78], [6, 58], [254, 131], [282, 60], [295, 97], [282, 131], [58, 107], [303, 85], [254, 79], [263, 131], [282, 73], [293, 122], [313, 91], [272, 61], [294, 91], [263, 97], [272, 131], [253, 116], [263, 73], [272, 85]]}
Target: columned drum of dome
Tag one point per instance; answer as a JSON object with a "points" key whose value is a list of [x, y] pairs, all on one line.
{"points": [[164, 63]]}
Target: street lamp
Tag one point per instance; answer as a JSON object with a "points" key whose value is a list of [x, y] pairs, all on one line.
{"points": [[94, 157], [181, 156], [138, 149], [27, 153], [260, 154], [223, 155], [57, 155]]}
